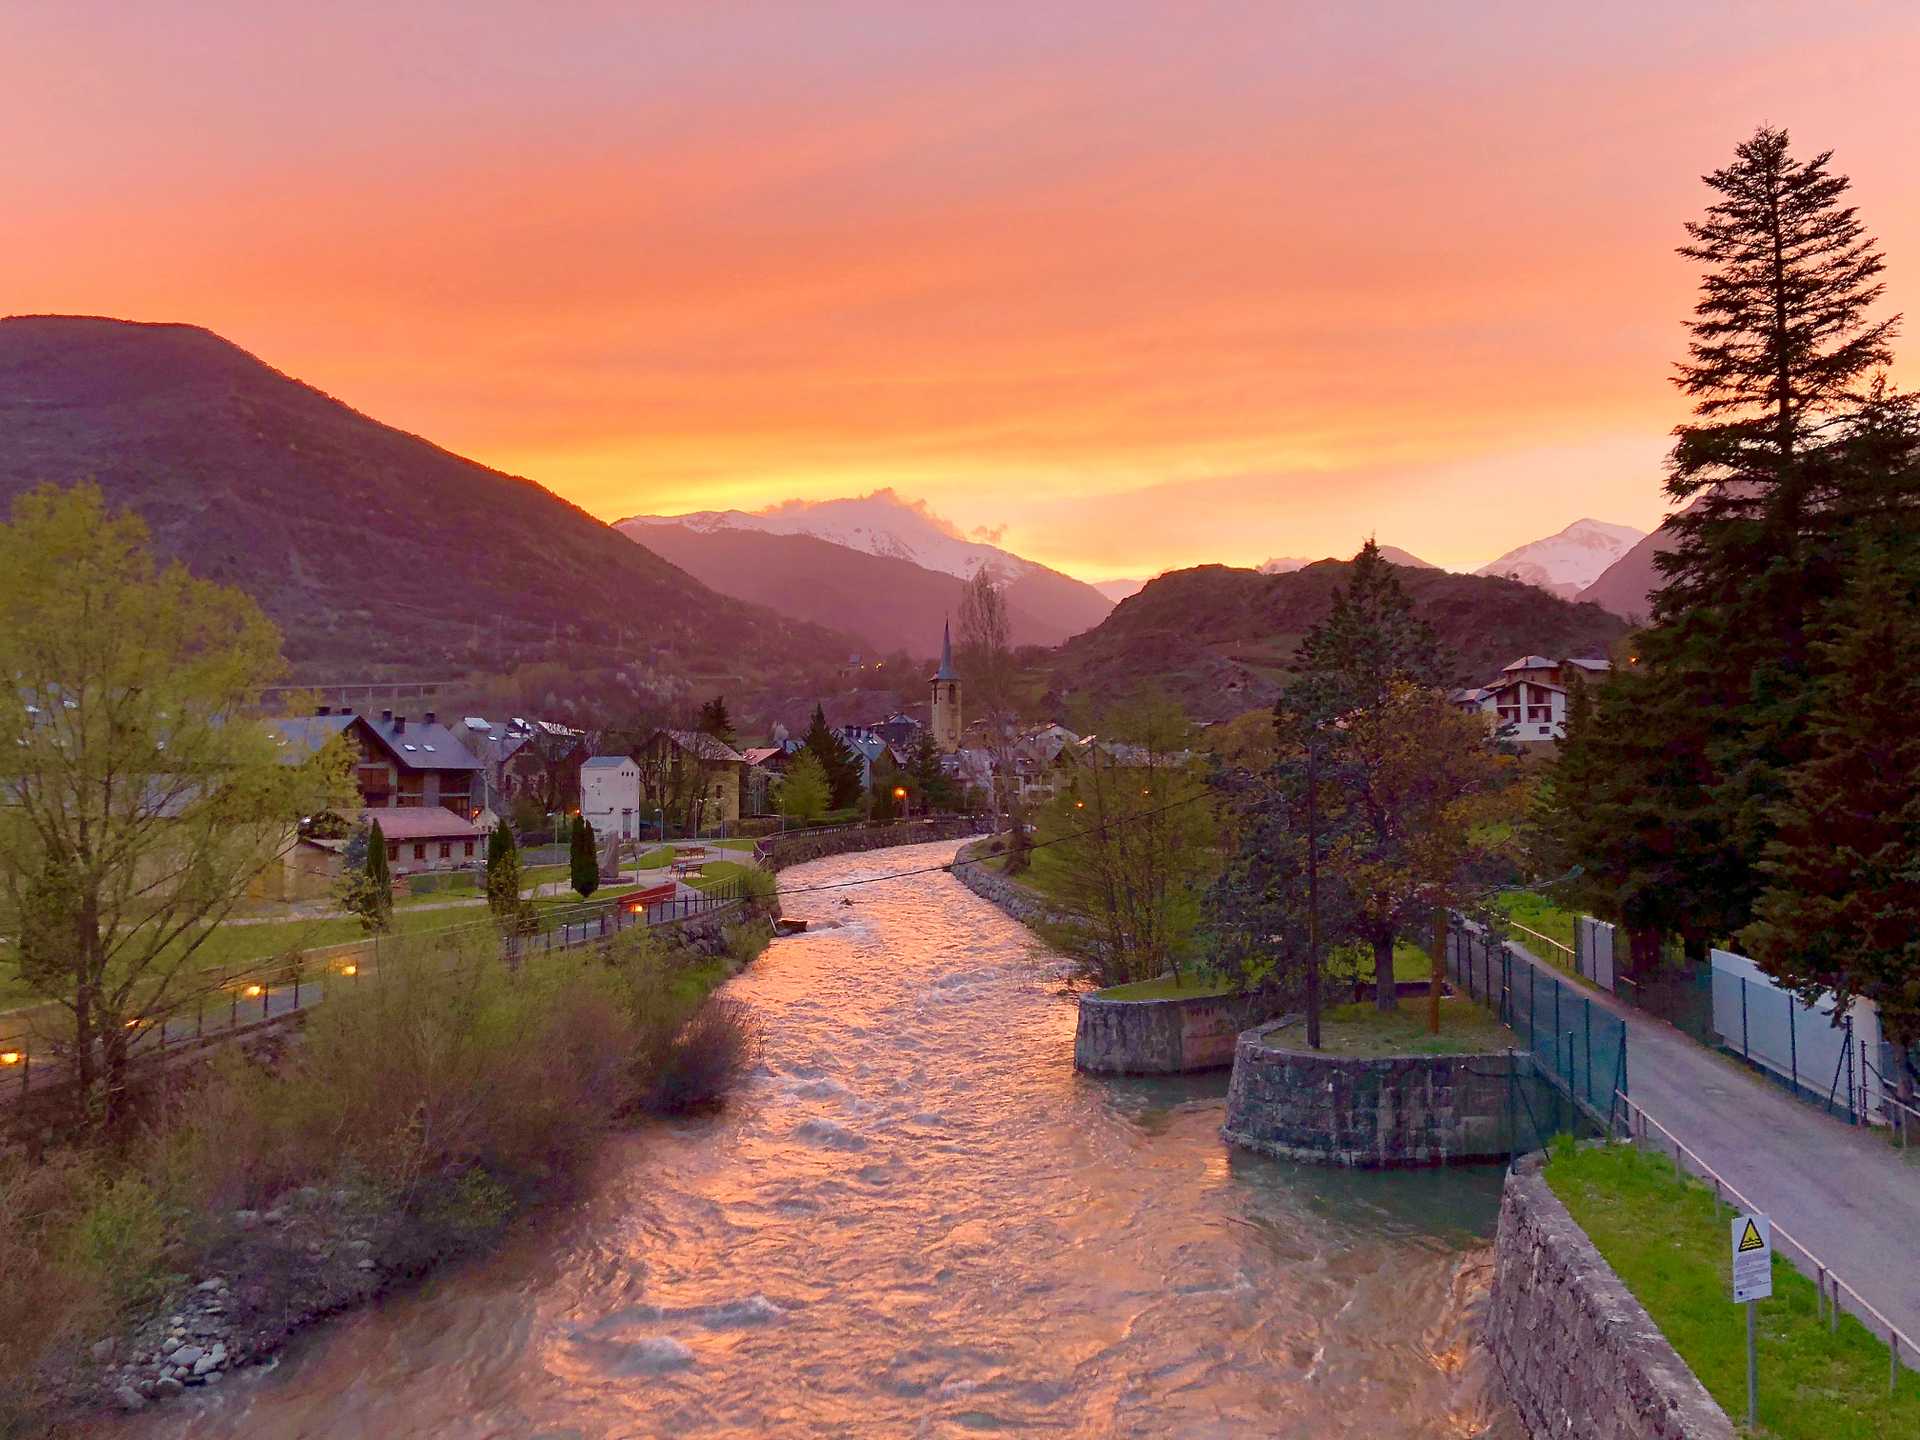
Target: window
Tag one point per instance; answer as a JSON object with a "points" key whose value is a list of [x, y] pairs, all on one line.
{"points": [[469, 849], [420, 852], [446, 849], [393, 850]]}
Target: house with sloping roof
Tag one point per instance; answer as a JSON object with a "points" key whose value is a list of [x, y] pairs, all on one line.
{"points": [[696, 778], [400, 763], [429, 838], [766, 767], [1528, 703]]}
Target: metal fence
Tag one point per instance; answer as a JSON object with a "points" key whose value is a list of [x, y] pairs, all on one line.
{"points": [[1577, 1047], [226, 1005], [1820, 1054]]}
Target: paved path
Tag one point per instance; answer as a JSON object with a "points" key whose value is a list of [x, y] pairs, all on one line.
{"points": [[1839, 1189]]}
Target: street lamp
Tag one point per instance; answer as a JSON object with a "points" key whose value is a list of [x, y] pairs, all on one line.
{"points": [[900, 798]]}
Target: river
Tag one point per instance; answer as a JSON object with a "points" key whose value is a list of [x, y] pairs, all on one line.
{"points": [[917, 1220]]}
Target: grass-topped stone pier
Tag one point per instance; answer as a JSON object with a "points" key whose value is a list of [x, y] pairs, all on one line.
{"points": [[1382, 1090]]}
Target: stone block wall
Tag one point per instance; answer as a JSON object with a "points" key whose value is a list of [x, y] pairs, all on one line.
{"points": [[1579, 1355], [1373, 1113], [1163, 1037], [798, 849], [1011, 896]]}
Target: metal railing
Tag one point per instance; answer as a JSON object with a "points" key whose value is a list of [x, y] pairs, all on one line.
{"points": [[229, 1004], [1580, 1049], [1826, 1280]]}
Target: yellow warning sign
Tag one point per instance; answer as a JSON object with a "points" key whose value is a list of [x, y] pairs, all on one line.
{"points": [[1750, 1238]]}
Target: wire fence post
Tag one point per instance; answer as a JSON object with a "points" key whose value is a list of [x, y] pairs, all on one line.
{"points": [[1793, 1041]]}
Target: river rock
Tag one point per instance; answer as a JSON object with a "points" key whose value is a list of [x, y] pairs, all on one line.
{"points": [[204, 1364], [363, 1265], [128, 1398], [246, 1219], [166, 1387], [103, 1349], [208, 1287], [185, 1355]]}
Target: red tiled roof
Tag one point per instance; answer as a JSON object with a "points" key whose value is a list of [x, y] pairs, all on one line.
{"points": [[424, 822]]}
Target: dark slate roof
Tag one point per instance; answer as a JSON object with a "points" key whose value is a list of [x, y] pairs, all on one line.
{"points": [[420, 746]]}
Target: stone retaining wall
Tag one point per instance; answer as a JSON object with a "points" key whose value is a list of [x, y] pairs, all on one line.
{"points": [[1579, 1355], [1163, 1037], [782, 851], [1373, 1113], [1010, 895]]}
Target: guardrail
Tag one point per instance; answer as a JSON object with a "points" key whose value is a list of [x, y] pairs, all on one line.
{"points": [[1824, 1276], [223, 1007]]}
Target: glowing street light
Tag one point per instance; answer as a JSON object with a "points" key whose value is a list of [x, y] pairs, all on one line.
{"points": [[349, 969], [253, 992], [11, 1057]]}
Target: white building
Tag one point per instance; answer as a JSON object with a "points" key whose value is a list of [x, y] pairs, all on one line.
{"points": [[1529, 700], [610, 795]]}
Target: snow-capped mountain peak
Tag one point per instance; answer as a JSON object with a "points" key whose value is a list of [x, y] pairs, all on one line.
{"points": [[883, 523], [1566, 563]]}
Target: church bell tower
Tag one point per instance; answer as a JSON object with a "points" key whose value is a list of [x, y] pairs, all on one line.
{"points": [[944, 718]]}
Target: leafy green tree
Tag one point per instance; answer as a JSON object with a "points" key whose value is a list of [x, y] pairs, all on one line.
{"points": [[1841, 908], [137, 801], [366, 885], [715, 721], [804, 794], [583, 860], [837, 762]]}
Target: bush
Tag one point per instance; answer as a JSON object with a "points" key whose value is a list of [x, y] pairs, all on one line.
{"points": [[711, 1052], [118, 1241]]}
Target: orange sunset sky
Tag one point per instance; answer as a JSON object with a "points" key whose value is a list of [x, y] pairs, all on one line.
{"points": [[1146, 285]]}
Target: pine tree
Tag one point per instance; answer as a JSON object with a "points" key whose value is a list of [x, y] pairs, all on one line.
{"points": [[837, 762], [511, 911], [1369, 639], [583, 859], [366, 886], [1841, 911], [715, 721], [931, 786]]}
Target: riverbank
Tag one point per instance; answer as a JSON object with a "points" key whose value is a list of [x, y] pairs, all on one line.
{"points": [[916, 1218], [410, 1125]]}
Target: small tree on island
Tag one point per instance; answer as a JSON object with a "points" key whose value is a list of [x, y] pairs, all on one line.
{"points": [[582, 859], [803, 794], [366, 885]]}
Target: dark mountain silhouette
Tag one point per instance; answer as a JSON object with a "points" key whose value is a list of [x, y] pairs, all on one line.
{"points": [[1626, 587], [378, 554], [1222, 640], [885, 603]]}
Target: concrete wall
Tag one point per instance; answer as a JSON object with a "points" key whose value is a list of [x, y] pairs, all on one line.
{"points": [[1373, 1113], [1579, 1355], [798, 849], [1163, 1037]]}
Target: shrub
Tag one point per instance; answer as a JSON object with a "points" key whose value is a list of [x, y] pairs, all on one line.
{"points": [[716, 1046], [119, 1240]]}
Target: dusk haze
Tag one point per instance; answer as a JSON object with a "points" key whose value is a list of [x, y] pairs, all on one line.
{"points": [[835, 721]]}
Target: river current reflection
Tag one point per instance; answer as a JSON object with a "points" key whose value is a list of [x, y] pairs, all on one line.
{"points": [[917, 1220]]}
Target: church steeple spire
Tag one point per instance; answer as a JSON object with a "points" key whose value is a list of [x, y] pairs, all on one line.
{"points": [[946, 672], [944, 697]]}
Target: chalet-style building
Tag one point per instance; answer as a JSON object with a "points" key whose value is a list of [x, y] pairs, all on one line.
{"points": [[1529, 700], [765, 768], [429, 838], [400, 763]]}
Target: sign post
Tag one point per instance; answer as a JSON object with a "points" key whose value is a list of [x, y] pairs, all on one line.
{"points": [[1752, 1241]]}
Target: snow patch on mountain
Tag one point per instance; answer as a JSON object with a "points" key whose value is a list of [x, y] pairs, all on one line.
{"points": [[883, 523], [1567, 563]]}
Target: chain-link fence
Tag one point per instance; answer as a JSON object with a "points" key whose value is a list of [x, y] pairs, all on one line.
{"points": [[1576, 1046]]}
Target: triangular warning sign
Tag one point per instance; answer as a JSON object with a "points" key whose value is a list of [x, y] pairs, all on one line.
{"points": [[1750, 1239]]}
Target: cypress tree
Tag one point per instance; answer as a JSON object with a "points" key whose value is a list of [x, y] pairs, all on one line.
{"points": [[583, 859], [379, 880]]}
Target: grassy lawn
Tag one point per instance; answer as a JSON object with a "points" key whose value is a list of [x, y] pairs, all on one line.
{"points": [[1666, 1237], [1355, 962], [1188, 986], [1360, 1030], [716, 871], [1537, 912]]}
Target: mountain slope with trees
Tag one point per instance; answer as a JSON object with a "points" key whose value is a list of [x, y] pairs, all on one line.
{"points": [[1222, 640], [376, 553]]}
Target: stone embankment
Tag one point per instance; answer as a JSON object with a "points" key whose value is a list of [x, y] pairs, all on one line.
{"points": [[1022, 903], [1579, 1355], [1163, 1037], [780, 851], [1367, 1112]]}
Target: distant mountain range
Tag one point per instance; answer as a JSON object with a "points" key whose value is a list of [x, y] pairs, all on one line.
{"points": [[1047, 606], [1287, 564], [1567, 563], [379, 555], [1222, 640], [1626, 586]]}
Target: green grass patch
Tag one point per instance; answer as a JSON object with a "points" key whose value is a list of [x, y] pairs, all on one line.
{"points": [[1537, 912], [1666, 1238], [1362, 1031], [1355, 962], [717, 872], [1190, 985]]}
